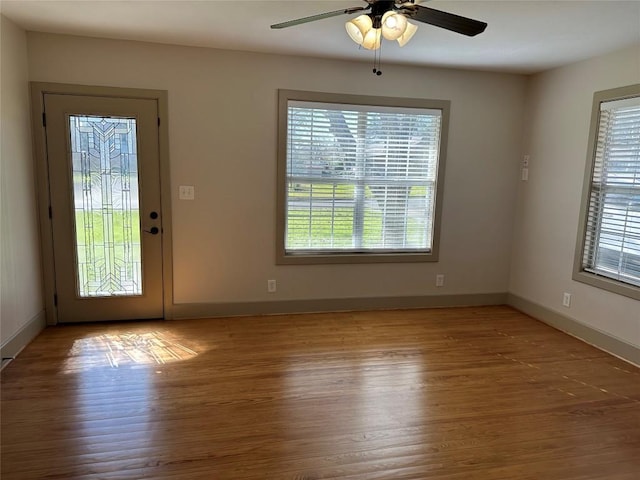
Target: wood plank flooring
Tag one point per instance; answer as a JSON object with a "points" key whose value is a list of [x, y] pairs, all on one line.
{"points": [[445, 394]]}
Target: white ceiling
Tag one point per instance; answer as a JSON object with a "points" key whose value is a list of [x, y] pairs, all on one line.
{"points": [[522, 36]]}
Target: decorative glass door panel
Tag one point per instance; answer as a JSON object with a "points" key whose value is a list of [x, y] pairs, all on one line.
{"points": [[106, 222], [106, 206]]}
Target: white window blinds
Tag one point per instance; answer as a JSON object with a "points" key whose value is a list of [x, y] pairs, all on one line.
{"points": [[360, 178], [612, 240]]}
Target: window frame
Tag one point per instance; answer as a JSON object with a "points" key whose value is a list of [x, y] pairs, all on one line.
{"points": [[282, 257], [579, 273]]}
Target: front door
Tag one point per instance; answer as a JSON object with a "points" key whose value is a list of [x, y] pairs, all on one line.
{"points": [[104, 181]]}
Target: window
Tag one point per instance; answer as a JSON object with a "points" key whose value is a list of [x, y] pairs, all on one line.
{"points": [[609, 240], [359, 178]]}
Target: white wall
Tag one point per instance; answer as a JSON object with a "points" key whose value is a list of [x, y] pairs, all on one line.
{"points": [[222, 109], [20, 281], [556, 135]]}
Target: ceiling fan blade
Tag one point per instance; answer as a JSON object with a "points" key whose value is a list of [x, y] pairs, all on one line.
{"points": [[319, 16], [448, 21]]}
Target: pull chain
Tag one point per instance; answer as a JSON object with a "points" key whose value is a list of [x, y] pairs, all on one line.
{"points": [[377, 58]]}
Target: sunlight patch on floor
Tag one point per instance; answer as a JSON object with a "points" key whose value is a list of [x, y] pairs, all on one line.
{"points": [[117, 350]]}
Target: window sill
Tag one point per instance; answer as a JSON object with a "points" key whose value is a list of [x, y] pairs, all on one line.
{"points": [[607, 284], [353, 258]]}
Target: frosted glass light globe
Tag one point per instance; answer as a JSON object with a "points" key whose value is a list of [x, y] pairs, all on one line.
{"points": [[358, 27], [408, 33], [393, 25], [372, 39]]}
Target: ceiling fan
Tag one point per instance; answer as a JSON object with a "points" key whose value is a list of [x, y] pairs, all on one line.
{"points": [[389, 19]]}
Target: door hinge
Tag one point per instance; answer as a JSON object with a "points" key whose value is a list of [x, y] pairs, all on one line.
{"points": [[55, 299], [158, 121], [44, 119], [50, 213]]}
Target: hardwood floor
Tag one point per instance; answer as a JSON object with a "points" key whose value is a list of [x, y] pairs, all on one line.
{"points": [[467, 393]]}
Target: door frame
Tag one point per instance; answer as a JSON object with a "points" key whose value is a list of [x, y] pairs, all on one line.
{"points": [[38, 91]]}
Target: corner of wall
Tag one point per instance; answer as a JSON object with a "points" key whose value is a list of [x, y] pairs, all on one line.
{"points": [[590, 335], [21, 305]]}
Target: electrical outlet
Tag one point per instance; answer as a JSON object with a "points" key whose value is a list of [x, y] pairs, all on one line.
{"points": [[524, 171], [440, 280], [271, 286], [566, 300], [186, 192]]}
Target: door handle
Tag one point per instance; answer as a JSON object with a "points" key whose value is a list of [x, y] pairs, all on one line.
{"points": [[153, 230]]}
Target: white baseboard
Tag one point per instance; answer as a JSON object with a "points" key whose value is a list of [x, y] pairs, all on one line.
{"points": [[24, 336], [597, 338], [212, 310], [590, 335]]}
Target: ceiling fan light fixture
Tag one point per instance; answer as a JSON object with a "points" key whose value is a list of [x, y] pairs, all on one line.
{"points": [[358, 28], [393, 25], [409, 32]]}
